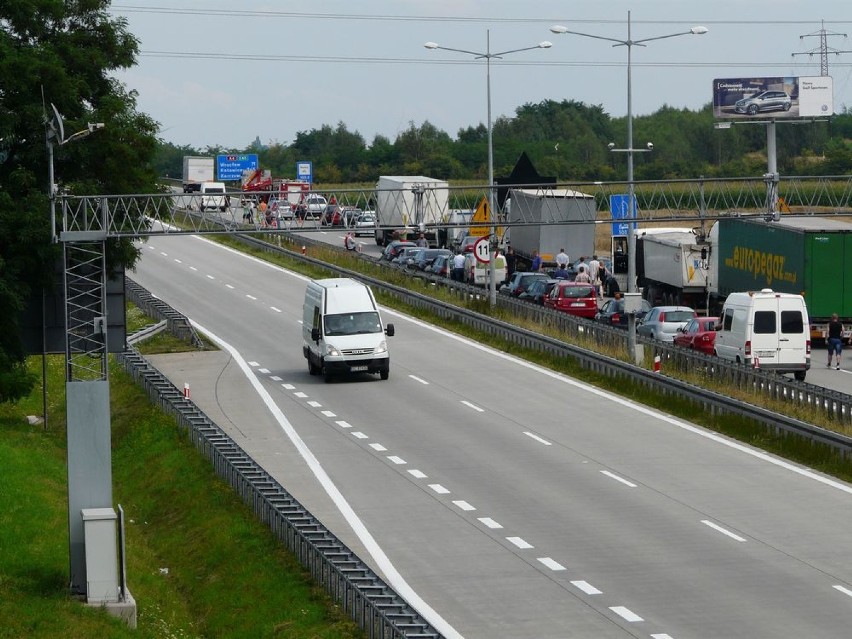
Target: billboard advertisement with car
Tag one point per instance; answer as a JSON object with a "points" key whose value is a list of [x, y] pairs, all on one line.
{"points": [[787, 98]]}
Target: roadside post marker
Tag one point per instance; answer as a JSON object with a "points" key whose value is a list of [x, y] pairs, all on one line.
{"points": [[656, 363], [186, 390]]}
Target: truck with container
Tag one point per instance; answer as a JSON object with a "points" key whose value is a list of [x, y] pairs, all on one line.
{"points": [[800, 254], [196, 171], [671, 266], [548, 220], [407, 205]]}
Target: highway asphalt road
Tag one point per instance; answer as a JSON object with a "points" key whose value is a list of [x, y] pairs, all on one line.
{"points": [[504, 500]]}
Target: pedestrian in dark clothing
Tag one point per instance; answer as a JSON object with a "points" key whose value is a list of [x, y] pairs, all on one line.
{"points": [[510, 263], [835, 341]]}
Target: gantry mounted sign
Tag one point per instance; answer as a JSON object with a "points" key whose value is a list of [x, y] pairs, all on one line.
{"points": [[781, 98]]}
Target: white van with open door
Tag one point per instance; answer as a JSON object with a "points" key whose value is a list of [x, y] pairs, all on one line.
{"points": [[767, 330], [342, 329]]}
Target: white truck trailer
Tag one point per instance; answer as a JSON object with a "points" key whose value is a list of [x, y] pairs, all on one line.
{"points": [[197, 170], [407, 205], [671, 266]]}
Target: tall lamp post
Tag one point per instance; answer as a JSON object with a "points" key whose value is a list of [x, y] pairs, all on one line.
{"points": [[492, 213], [631, 202]]}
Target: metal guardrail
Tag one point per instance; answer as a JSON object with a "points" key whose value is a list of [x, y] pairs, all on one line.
{"points": [[371, 603], [833, 404]]}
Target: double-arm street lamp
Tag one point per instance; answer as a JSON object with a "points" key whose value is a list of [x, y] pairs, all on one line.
{"points": [[55, 134], [631, 202], [492, 213]]}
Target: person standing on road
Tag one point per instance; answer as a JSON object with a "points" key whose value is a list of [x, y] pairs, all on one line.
{"points": [[535, 267], [510, 262], [835, 341], [562, 259], [594, 273], [422, 241], [458, 267], [582, 276]]}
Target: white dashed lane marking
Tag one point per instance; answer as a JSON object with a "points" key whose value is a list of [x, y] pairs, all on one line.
{"points": [[265, 371], [251, 297], [439, 489], [461, 503], [490, 523], [378, 448], [520, 543], [417, 473], [844, 590], [537, 438], [343, 424], [626, 614], [314, 404], [617, 478], [396, 460], [229, 286], [586, 587], [210, 277], [328, 413], [473, 406], [724, 531], [551, 563], [277, 310], [300, 394], [358, 434], [417, 379]]}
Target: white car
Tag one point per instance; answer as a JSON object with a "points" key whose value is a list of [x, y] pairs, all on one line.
{"points": [[365, 224], [312, 206]]}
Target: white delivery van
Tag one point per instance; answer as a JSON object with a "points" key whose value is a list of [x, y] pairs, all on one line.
{"points": [[213, 196], [476, 272], [766, 329], [342, 329]]}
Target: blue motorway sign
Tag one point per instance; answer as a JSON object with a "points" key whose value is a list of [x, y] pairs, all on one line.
{"points": [[231, 167], [619, 206], [305, 171]]}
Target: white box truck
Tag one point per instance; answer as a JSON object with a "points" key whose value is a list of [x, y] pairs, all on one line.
{"points": [[196, 171], [407, 205], [342, 329]]}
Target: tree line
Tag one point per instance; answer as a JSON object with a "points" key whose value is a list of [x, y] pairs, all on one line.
{"points": [[566, 140]]}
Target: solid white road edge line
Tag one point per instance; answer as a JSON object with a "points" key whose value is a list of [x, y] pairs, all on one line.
{"points": [[394, 577]]}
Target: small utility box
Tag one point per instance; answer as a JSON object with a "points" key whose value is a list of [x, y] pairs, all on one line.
{"points": [[101, 555]]}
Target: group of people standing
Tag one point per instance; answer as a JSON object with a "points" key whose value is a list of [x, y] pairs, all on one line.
{"points": [[592, 272]]}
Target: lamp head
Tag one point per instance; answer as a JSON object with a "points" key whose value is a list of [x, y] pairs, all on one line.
{"points": [[94, 126], [610, 146], [650, 146], [558, 28], [698, 30], [545, 45], [431, 45]]}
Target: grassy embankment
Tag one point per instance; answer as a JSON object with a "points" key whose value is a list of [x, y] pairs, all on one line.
{"points": [[199, 564]]}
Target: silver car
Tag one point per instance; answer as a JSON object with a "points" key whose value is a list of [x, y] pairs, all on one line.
{"points": [[662, 322], [764, 101]]}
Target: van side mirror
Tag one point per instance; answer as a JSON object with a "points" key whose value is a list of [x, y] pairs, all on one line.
{"points": [[389, 331], [315, 334]]}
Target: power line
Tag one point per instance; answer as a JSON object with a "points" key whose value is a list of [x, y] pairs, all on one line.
{"points": [[201, 55], [251, 13]]}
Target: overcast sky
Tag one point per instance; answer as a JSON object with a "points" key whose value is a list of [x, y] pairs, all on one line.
{"points": [[223, 73]]}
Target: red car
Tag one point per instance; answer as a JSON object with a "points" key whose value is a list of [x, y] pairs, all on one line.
{"points": [[574, 298], [699, 334]]}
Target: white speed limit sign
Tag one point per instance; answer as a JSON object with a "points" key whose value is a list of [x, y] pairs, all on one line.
{"points": [[482, 250]]}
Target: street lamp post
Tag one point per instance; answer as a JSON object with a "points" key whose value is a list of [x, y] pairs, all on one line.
{"points": [[492, 213], [631, 202]]}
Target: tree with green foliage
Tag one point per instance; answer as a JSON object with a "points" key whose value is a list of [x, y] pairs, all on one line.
{"points": [[60, 53]]}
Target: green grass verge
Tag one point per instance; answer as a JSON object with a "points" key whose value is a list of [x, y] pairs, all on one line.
{"points": [[226, 575]]}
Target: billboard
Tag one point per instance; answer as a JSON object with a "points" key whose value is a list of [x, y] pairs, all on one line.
{"points": [[782, 98], [231, 167]]}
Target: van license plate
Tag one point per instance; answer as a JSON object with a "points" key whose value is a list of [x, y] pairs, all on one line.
{"points": [[765, 353], [358, 368]]}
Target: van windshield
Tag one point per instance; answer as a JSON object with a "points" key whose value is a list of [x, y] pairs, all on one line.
{"points": [[353, 323]]}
